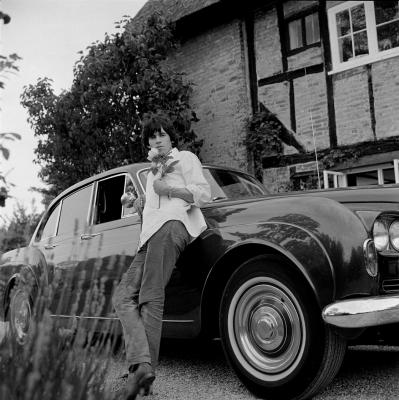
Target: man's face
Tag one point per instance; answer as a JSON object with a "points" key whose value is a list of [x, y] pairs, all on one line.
{"points": [[161, 141]]}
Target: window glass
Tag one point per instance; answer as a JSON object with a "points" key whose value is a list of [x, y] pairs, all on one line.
{"points": [[303, 31], [387, 21], [143, 177], [48, 225], [74, 212], [352, 34], [386, 11], [312, 28], [232, 185], [343, 23], [389, 175], [358, 18], [360, 43], [226, 184], [363, 178], [108, 206], [295, 34]]}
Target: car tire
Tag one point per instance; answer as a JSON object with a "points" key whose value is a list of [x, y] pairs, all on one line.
{"points": [[272, 332], [20, 316]]}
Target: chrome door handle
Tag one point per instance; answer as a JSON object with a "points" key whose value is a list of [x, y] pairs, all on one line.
{"points": [[49, 246], [88, 236]]}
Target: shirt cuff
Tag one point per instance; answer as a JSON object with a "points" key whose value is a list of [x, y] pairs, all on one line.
{"points": [[200, 195]]}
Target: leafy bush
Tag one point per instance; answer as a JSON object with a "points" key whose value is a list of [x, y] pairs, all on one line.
{"points": [[19, 229], [96, 125]]}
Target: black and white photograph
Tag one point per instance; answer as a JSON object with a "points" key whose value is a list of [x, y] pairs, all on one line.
{"points": [[199, 199]]}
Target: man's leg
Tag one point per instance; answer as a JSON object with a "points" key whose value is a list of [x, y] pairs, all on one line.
{"points": [[163, 251], [125, 301]]}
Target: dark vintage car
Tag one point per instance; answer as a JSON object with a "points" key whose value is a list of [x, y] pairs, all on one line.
{"points": [[285, 281]]}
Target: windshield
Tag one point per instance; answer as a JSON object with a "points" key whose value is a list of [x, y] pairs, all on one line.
{"points": [[226, 184]]}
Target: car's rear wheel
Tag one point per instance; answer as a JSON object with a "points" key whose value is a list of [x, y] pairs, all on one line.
{"points": [[273, 334]]}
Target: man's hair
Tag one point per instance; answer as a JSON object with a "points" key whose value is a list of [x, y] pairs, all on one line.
{"points": [[153, 122]]}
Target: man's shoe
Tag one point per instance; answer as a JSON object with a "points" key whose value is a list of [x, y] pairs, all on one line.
{"points": [[140, 381]]}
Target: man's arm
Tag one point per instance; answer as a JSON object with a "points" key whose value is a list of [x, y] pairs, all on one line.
{"points": [[163, 189]]}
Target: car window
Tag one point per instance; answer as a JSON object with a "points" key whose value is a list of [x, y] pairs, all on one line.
{"points": [[108, 206], [74, 212], [226, 184], [48, 225], [232, 185], [143, 177]]}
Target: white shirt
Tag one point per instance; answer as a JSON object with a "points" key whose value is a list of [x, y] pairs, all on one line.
{"points": [[187, 174]]}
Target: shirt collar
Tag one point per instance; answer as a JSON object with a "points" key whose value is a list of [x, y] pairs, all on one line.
{"points": [[174, 152]]}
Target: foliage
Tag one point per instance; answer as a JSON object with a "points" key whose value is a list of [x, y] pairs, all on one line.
{"points": [[265, 137], [8, 65], [19, 230], [338, 156], [96, 125]]}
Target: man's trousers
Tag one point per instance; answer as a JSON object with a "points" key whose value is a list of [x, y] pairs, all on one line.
{"points": [[139, 298]]}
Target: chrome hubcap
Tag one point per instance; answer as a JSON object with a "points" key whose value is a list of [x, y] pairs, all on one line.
{"points": [[266, 328]]}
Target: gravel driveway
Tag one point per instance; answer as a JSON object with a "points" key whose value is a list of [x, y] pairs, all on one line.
{"points": [[189, 371]]}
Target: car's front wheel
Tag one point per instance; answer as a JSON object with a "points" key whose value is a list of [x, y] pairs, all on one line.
{"points": [[20, 315], [273, 334]]}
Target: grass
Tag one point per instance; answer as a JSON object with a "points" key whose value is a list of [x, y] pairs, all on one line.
{"points": [[56, 363]]}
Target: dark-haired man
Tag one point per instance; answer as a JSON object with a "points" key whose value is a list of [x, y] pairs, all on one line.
{"points": [[175, 189]]}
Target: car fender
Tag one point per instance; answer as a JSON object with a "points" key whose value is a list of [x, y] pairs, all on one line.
{"points": [[26, 264], [320, 237]]}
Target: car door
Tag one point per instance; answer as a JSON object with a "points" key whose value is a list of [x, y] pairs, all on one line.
{"points": [[60, 242], [109, 244]]}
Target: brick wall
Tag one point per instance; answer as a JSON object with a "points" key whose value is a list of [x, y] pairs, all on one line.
{"points": [[276, 98], [215, 62], [311, 112], [385, 76], [352, 107], [305, 58], [334, 3], [295, 6], [276, 179], [267, 44]]}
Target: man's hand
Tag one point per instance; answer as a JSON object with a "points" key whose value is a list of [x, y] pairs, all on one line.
{"points": [[161, 188]]}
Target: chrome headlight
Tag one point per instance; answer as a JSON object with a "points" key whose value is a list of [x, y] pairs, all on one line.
{"points": [[380, 235], [394, 235]]}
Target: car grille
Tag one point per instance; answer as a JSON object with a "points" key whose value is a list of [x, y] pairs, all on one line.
{"points": [[390, 285]]}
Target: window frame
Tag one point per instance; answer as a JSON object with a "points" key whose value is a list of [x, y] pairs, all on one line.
{"points": [[44, 221], [371, 29], [301, 16], [95, 193], [89, 209], [340, 178]]}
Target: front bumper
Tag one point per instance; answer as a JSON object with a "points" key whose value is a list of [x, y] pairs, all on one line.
{"points": [[363, 312]]}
